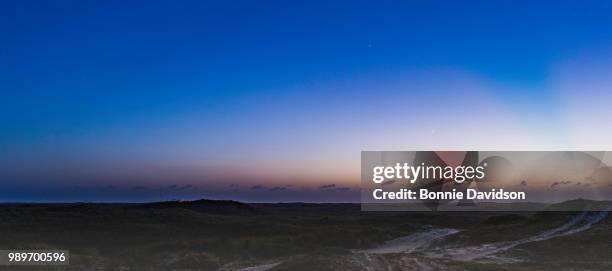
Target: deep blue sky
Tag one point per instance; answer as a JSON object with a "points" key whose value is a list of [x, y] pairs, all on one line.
{"points": [[218, 95]]}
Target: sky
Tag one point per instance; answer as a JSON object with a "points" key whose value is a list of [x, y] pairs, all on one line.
{"points": [[274, 100]]}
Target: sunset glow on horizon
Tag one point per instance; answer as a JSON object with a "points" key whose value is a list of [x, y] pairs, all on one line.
{"points": [[182, 101]]}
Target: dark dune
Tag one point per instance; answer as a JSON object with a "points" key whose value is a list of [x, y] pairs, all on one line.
{"points": [[229, 235], [221, 207]]}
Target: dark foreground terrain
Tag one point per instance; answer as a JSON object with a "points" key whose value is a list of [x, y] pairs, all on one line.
{"points": [[225, 235]]}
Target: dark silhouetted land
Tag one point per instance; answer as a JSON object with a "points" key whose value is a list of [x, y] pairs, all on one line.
{"points": [[229, 235]]}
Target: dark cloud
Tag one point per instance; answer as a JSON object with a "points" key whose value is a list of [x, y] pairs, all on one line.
{"points": [[234, 187], [185, 187], [566, 182], [553, 185], [278, 188], [257, 187], [524, 183], [578, 183], [327, 186], [342, 189]]}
